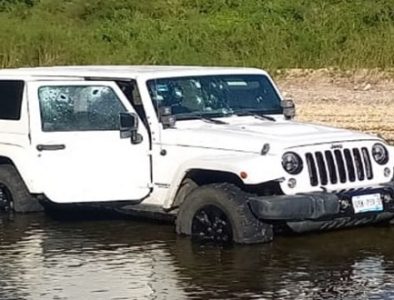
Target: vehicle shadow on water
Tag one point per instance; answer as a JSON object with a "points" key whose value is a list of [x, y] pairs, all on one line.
{"points": [[43, 258]]}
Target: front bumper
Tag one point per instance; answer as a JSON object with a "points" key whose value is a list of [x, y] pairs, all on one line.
{"points": [[319, 208]]}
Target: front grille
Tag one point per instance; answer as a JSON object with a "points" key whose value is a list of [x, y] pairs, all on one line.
{"points": [[339, 166]]}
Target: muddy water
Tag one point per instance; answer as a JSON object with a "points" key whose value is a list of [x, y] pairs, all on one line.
{"points": [[41, 258]]}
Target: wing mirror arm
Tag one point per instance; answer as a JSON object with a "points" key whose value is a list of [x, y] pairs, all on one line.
{"points": [[167, 119], [129, 127]]}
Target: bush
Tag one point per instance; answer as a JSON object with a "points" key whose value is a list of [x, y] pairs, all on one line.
{"points": [[270, 34]]}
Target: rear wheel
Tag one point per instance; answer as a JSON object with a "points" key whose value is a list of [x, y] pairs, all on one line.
{"points": [[13, 192], [5, 199], [220, 213]]}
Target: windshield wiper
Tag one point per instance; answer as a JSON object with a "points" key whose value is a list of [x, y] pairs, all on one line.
{"points": [[254, 114], [213, 121], [202, 118]]}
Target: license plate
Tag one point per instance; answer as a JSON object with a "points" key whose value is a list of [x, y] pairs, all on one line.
{"points": [[367, 203]]}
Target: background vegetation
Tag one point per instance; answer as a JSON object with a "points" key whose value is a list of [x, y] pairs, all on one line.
{"points": [[264, 33]]}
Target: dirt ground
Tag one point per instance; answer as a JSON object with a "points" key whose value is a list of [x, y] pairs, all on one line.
{"points": [[359, 100]]}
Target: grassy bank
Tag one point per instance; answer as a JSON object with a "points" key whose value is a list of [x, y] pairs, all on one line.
{"points": [[266, 33]]}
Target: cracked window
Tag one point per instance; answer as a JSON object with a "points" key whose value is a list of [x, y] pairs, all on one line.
{"points": [[79, 108], [216, 95]]}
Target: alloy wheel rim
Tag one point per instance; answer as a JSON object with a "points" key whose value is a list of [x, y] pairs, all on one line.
{"points": [[211, 224]]}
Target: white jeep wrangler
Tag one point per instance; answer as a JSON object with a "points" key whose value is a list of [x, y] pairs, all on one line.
{"points": [[214, 147]]}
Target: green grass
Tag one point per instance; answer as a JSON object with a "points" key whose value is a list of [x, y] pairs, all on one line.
{"points": [[273, 34]]}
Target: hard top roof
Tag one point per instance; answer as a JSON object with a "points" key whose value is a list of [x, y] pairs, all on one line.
{"points": [[119, 71]]}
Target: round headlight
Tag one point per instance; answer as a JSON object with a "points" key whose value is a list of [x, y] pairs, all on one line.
{"points": [[380, 154], [292, 163]]}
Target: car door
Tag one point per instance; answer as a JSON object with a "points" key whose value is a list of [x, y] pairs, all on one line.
{"points": [[79, 153]]}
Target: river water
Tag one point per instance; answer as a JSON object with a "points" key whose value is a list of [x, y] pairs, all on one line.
{"points": [[43, 258]]}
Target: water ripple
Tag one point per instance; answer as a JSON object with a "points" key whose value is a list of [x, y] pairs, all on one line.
{"points": [[116, 259]]}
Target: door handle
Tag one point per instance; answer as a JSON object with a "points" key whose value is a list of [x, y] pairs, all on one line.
{"points": [[54, 147]]}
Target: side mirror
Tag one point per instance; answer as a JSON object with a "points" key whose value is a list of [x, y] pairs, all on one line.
{"points": [[289, 110], [166, 117], [129, 127]]}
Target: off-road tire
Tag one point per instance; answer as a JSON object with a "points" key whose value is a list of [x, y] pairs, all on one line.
{"points": [[187, 186], [232, 202], [21, 200]]}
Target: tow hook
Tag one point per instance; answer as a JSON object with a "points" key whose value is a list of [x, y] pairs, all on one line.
{"points": [[344, 205]]}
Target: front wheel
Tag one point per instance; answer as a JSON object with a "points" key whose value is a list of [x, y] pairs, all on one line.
{"points": [[220, 213]]}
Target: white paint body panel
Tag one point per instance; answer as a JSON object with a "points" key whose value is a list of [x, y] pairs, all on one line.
{"points": [[95, 165], [236, 147], [99, 166]]}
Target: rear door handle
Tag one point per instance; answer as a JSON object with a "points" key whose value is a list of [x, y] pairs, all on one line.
{"points": [[54, 147]]}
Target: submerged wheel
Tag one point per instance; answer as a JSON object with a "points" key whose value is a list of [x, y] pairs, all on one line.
{"points": [[5, 199], [220, 213], [13, 192]]}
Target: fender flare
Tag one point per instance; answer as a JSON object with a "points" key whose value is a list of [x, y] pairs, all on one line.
{"points": [[228, 165]]}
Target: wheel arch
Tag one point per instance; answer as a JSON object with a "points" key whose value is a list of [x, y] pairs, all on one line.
{"points": [[208, 170], [203, 177], [21, 197], [6, 160]]}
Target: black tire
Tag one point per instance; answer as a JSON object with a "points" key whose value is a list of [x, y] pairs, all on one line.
{"points": [[187, 186], [220, 213], [14, 191]]}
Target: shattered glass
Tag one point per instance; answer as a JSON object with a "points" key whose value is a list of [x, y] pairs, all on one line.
{"points": [[219, 95], [79, 108]]}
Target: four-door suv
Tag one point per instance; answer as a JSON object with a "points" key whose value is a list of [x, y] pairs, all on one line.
{"points": [[215, 148]]}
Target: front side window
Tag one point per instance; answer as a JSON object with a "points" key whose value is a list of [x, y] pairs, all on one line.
{"points": [[218, 95], [79, 108]]}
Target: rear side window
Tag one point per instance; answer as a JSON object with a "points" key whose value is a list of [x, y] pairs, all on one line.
{"points": [[11, 94]]}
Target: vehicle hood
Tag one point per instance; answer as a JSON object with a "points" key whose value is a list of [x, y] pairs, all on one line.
{"points": [[250, 134]]}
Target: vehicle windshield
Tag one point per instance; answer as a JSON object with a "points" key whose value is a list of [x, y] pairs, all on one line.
{"points": [[215, 96]]}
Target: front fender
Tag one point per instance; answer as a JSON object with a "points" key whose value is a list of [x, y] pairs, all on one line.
{"points": [[258, 169]]}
